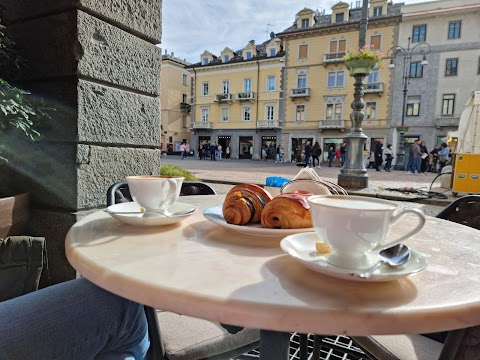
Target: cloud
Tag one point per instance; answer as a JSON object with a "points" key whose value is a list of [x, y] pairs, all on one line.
{"points": [[192, 26]]}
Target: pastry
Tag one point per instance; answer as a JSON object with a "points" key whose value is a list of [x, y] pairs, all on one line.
{"points": [[244, 204], [288, 211]]}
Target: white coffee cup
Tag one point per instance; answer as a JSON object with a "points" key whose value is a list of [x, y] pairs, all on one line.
{"points": [[155, 193], [356, 227]]}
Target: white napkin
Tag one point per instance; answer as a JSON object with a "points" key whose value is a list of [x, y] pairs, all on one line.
{"points": [[307, 174]]}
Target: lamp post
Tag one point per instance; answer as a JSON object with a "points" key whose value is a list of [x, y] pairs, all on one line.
{"points": [[423, 49]]}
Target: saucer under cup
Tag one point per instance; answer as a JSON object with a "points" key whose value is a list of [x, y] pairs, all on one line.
{"points": [[356, 227], [155, 193]]}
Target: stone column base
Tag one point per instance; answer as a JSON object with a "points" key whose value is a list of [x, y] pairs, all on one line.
{"points": [[349, 181]]}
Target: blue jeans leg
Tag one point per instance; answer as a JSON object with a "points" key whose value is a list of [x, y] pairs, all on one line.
{"points": [[74, 320], [417, 160]]}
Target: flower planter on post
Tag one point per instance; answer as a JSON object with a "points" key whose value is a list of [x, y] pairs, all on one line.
{"points": [[360, 66]]}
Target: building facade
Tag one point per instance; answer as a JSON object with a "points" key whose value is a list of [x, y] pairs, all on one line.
{"points": [[237, 100], [175, 99], [318, 88], [437, 92]]}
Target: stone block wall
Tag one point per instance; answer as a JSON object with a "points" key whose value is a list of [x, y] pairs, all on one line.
{"points": [[95, 62]]}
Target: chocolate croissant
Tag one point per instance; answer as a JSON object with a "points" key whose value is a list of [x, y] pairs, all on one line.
{"points": [[288, 211], [244, 204]]}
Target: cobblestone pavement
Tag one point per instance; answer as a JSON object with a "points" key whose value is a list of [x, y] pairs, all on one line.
{"points": [[223, 174]]}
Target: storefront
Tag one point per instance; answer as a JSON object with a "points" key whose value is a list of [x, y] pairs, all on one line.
{"points": [[269, 143], [224, 141], [245, 147], [330, 142], [298, 148]]}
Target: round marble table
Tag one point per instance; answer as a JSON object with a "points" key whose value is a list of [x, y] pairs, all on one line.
{"points": [[200, 269]]}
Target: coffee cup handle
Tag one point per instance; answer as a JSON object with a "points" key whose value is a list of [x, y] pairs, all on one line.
{"points": [[172, 195], [395, 218]]}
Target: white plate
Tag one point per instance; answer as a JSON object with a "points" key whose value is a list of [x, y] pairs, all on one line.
{"points": [[215, 215], [302, 248], [140, 220]]}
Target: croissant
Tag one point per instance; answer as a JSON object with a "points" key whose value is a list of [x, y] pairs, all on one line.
{"points": [[288, 211], [244, 204]]}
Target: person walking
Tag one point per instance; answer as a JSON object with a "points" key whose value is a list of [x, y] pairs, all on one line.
{"points": [[371, 160], [183, 151], [331, 155], [282, 154], [264, 154], [388, 153], [213, 150], [277, 158], [227, 152], [338, 157], [316, 152], [417, 158], [434, 159], [378, 154], [424, 161], [308, 153], [343, 152], [410, 164], [219, 152]]}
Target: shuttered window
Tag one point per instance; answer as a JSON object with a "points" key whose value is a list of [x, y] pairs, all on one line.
{"points": [[376, 41], [302, 51]]}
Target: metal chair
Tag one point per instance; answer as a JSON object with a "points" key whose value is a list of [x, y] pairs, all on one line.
{"points": [[180, 337], [462, 344]]}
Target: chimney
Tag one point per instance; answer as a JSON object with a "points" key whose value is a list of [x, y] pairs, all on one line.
{"points": [[166, 52], [171, 53]]}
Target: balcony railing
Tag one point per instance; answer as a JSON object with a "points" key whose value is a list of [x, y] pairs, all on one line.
{"points": [[332, 124], [373, 88], [223, 97], [300, 93], [185, 106], [201, 125], [333, 57], [246, 96], [268, 124], [447, 121]]}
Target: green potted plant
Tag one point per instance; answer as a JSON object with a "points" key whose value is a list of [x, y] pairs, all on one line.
{"points": [[20, 116], [364, 61]]}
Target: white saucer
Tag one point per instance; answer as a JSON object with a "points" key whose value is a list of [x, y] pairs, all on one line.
{"points": [[215, 215], [158, 220], [302, 248]]}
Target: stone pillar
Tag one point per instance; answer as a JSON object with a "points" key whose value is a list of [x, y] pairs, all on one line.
{"points": [[95, 62]]}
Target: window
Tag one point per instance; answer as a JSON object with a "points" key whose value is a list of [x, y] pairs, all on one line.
{"points": [[451, 68], [184, 121], [339, 18], [270, 110], [338, 47], [454, 28], [448, 104], [246, 113], [225, 86], [247, 85], [413, 106], [271, 83], [300, 113], [419, 33], [304, 23], [273, 51], [370, 110], [335, 78], [248, 55], [184, 98], [301, 81], [184, 79], [416, 70], [205, 89], [225, 115], [376, 41], [226, 58], [205, 115], [205, 61], [373, 80], [303, 51], [377, 11], [334, 111]]}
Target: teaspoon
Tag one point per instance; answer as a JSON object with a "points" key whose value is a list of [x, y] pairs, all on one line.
{"points": [[394, 256]]}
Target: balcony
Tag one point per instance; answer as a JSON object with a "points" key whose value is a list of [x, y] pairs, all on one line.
{"points": [[185, 107], [331, 124], [371, 88], [447, 121], [221, 98], [268, 124], [300, 93], [201, 125], [246, 96], [333, 58]]}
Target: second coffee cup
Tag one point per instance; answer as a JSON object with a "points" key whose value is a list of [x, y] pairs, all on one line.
{"points": [[356, 227], [155, 193]]}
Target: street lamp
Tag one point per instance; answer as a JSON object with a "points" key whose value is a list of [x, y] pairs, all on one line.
{"points": [[423, 49]]}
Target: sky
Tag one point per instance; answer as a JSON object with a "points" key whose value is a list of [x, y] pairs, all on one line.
{"points": [[192, 26]]}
